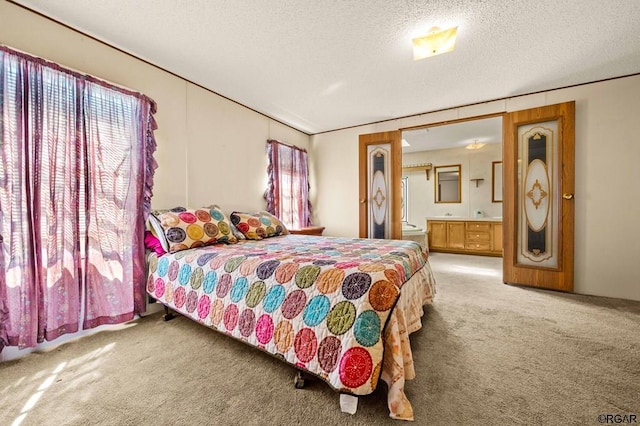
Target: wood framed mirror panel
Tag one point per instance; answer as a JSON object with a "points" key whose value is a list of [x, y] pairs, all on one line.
{"points": [[448, 188]]}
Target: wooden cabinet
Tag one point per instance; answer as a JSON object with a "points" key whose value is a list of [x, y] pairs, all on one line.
{"points": [[455, 235], [466, 236], [437, 235], [478, 236], [498, 244]]}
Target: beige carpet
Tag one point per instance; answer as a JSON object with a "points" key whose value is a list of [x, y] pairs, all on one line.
{"points": [[488, 354]]}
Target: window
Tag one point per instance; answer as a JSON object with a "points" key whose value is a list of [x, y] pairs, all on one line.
{"points": [[287, 193], [75, 184]]}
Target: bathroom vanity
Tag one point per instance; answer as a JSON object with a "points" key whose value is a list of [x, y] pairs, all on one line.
{"points": [[481, 236]]}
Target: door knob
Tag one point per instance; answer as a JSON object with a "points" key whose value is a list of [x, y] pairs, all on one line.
{"points": [[567, 196]]}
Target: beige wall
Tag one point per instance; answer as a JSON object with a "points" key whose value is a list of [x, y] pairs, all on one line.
{"points": [[474, 165], [607, 245], [210, 150]]}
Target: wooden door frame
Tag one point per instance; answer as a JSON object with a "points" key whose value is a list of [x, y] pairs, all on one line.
{"points": [[456, 121]]}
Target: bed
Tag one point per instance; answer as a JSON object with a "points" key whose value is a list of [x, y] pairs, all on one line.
{"points": [[340, 309]]}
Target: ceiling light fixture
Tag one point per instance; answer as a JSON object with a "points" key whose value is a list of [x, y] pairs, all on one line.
{"points": [[475, 145], [436, 42]]}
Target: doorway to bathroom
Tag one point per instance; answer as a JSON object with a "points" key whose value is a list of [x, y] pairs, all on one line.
{"points": [[451, 183], [536, 197]]}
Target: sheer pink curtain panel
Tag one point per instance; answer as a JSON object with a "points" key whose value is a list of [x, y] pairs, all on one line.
{"points": [[287, 193], [75, 186]]}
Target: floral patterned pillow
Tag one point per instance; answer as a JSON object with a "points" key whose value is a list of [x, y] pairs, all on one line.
{"points": [[153, 225], [195, 228], [258, 225], [239, 235]]}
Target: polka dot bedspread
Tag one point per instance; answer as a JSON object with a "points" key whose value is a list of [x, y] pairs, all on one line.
{"points": [[320, 303]]}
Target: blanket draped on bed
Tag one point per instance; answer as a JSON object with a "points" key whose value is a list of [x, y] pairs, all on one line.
{"points": [[320, 303]]}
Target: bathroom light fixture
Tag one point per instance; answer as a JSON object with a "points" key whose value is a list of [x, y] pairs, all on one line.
{"points": [[475, 145], [437, 41]]}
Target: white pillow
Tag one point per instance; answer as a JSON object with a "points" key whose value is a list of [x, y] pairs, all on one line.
{"points": [[154, 225]]}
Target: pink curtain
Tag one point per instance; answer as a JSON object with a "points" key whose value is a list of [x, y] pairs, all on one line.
{"points": [[287, 193], [75, 187], [4, 309]]}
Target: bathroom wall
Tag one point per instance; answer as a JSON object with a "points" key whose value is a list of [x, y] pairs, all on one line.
{"points": [[475, 164]]}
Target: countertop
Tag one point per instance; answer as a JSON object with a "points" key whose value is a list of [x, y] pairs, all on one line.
{"points": [[466, 219]]}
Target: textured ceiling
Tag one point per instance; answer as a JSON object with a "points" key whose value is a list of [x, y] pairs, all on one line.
{"points": [[321, 65]]}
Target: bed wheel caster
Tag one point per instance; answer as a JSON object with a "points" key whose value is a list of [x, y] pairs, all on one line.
{"points": [[299, 380], [168, 315]]}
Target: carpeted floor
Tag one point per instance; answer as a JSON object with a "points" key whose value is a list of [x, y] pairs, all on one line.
{"points": [[488, 354]]}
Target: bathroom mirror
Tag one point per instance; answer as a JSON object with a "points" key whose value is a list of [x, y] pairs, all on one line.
{"points": [[447, 184], [496, 179]]}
